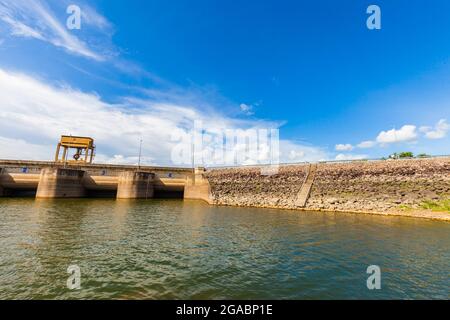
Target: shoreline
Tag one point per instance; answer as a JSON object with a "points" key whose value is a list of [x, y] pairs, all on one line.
{"points": [[418, 214]]}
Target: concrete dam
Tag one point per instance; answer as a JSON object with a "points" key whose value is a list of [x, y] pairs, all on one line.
{"points": [[415, 187], [57, 180]]}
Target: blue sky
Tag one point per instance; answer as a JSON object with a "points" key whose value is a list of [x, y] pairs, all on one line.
{"points": [[146, 69]]}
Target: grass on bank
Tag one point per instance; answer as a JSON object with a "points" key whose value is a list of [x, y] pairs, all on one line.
{"points": [[442, 205]]}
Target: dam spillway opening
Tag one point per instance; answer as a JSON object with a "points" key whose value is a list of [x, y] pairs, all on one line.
{"points": [[19, 193], [157, 194], [101, 194], [168, 194], [95, 194]]}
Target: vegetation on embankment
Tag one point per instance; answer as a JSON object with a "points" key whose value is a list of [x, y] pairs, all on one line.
{"points": [[443, 205]]}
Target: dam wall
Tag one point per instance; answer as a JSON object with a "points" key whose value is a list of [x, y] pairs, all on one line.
{"points": [[54, 180], [412, 187], [357, 186]]}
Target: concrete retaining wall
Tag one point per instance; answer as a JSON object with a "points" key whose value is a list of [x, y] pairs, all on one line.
{"points": [[1, 188], [197, 187]]}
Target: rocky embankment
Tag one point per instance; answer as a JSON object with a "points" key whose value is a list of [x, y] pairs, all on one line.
{"points": [[380, 186], [248, 187], [392, 186]]}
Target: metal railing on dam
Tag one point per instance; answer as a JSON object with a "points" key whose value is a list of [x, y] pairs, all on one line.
{"points": [[304, 163]]}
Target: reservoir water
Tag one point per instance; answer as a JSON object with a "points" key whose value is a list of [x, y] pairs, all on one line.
{"points": [[173, 249]]}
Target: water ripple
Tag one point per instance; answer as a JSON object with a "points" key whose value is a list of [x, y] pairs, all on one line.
{"points": [[166, 249]]}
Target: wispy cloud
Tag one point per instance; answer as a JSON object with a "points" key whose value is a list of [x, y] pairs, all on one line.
{"points": [[343, 147], [21, 30], [366, 144], [345, 157], [249, 109], [35, 19], [91, 17]]}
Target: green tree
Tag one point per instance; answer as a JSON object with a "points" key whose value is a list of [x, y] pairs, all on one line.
{"points": [[423, 155], [406, 155], [401, 155]]}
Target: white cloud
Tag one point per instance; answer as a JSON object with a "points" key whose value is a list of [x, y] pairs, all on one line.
{"points": [[406, 133], [438, 132], [293, 152], [295, 155], [246, 109], [38, 114], [343, 157], [366, 144], [344, 147], [121, 159], [35, 19], [16, 149], [34, 114]]}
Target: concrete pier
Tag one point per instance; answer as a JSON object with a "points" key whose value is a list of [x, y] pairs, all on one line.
{"points": [[135, 185], [197, 187], [60, 183], [1, 188]]}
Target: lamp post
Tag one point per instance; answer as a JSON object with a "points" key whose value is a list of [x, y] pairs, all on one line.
{"points": [[140, 153]]}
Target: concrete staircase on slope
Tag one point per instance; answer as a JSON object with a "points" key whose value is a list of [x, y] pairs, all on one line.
{"points": [[303, 195]]}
